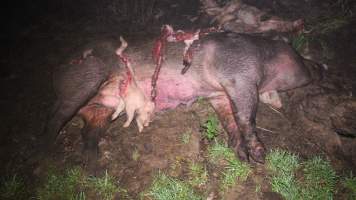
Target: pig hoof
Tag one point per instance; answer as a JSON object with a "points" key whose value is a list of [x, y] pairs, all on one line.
{"points": [[90, 160], [126, 125], [242, 155], [258, 154], [241, 152]]}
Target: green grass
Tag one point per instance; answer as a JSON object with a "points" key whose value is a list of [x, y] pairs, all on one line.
{"points": [[104, 186], [234, 169], [350, 183], [198, 175], [219, 151], [282, 164], [299, 42], [73, 184], [68, 186], [285, 185], [13, 188], [317, 181], [167, 188], [211, 128]]}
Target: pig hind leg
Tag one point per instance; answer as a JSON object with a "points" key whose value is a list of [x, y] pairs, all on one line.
{"points": [[62, 112], [96, 119], [243, 94], [222, 106], [272, 98]]}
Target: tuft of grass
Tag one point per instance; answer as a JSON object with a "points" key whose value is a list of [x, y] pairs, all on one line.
{"points": [[218, 151], [13, 188], [285, 185], [299, 42], [234, 169], [168, 188], [350, 183], [319, 179], [282, 162], [211, 128], [68, 186], [74, 185], [104, 186], [198, 175]]}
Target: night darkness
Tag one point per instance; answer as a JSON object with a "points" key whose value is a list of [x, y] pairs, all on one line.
{"points": [[40, 39]]}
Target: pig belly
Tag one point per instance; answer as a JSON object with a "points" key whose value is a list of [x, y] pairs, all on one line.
{"points": [[173, 88]]}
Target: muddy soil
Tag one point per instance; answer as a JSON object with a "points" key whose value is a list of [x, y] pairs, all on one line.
{"points": [[310, 122]]}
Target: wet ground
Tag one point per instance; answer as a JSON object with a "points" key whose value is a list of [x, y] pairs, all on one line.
{"points": [[308, 123]]}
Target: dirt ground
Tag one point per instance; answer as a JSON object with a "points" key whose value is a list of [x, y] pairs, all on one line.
{"points": [[307, 124]]}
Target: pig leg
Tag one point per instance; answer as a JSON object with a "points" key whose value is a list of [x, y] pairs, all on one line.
{"points": [[244, 97], [222, 107], [96, 119], [280, 25], [130, 112], [272, 98], [62, 112], [139, 122], [120, 107]]}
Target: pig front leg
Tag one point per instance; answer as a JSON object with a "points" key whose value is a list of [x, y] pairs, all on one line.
{"points": [[139, 124], [119, 108], [223, 108], [130, 112], [243, 95]]}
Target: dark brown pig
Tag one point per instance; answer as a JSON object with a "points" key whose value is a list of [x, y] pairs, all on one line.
{"points": [[76, 85], [232, 71]]}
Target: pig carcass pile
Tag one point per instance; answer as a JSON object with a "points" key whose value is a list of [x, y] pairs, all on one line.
{"points": [[233, 71], [238, 17]]}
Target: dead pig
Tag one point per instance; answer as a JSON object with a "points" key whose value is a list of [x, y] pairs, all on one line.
{"points": [[92, 87], [76, 86], [231, 70], [239, 17]]}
